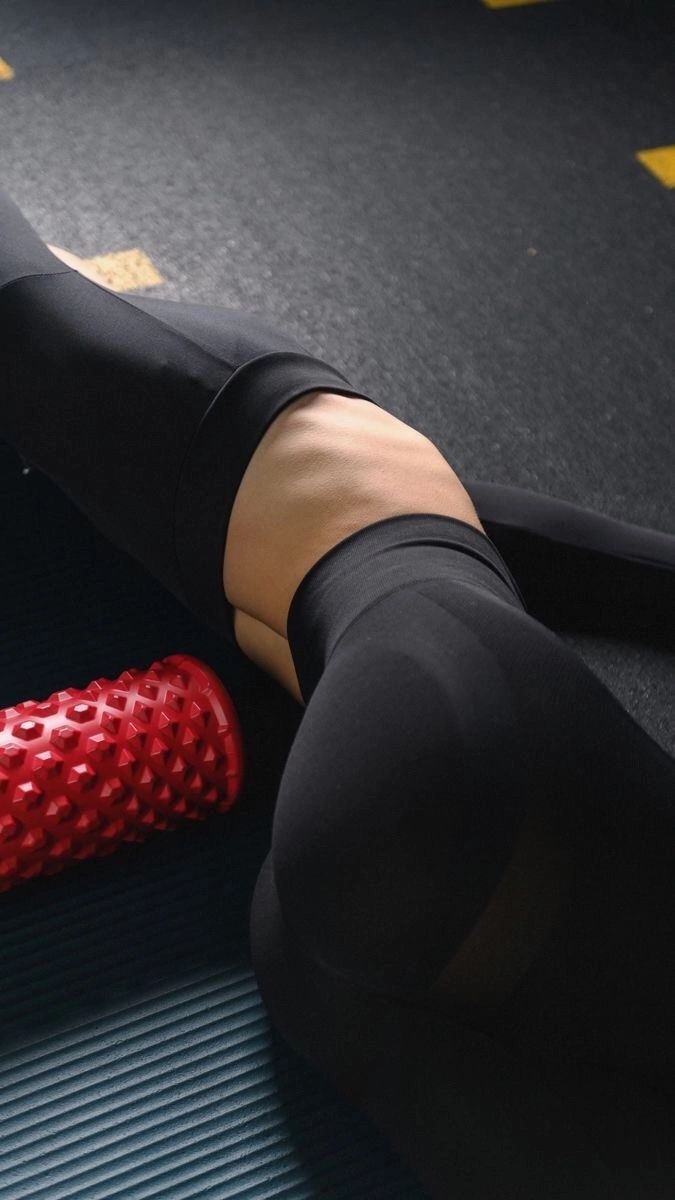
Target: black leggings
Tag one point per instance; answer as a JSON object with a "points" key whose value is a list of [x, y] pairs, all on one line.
{"points": [[465, 919]]}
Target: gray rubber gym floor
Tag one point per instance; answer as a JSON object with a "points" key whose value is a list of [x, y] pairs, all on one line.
{"points": [[445, 200]]}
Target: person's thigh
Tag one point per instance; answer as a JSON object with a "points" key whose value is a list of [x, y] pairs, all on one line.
{"points": [[240, 334], [446, 725], [399, 808], [418, 759]]}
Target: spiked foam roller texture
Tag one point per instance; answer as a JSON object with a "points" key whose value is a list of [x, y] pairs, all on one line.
{"points": [[83, 771]]}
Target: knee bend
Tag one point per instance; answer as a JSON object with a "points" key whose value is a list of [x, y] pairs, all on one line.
{"points": [[398, 807]]}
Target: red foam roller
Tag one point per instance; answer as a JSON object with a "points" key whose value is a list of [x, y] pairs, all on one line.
{"points": [[85, 770]]}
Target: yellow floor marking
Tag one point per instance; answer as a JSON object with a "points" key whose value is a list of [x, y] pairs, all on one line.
{"points": [[661, 162], [6, 72], [125, 270], [511, 3]]}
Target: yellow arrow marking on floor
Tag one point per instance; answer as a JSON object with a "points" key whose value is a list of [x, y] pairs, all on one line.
{"points": [[511, 3], [126, 270], [661, 162], [6, 72]]}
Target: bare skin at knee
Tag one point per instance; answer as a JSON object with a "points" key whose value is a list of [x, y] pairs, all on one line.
{"points": [[328, 466]]}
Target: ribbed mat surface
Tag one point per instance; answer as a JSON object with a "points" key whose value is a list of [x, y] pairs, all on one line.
{"points": [[136, 1056], [153, 1080]]}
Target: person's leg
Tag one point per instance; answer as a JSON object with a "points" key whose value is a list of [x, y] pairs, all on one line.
{"points": [[578, 569], [88, 269], [460, 776], [144, 412]]}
